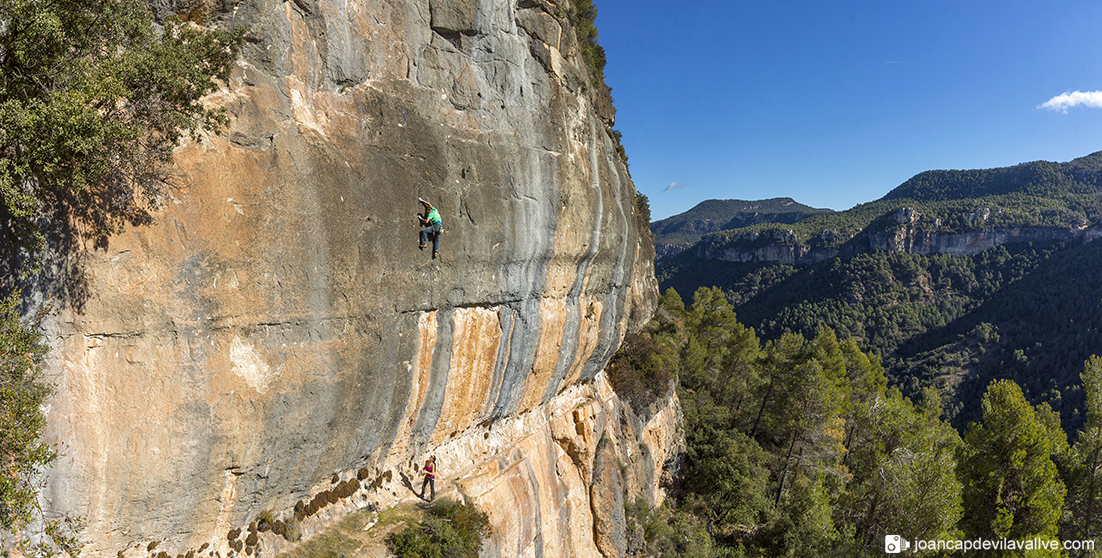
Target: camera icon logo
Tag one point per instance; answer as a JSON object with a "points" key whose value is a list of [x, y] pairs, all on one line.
{"points": [[894, 544]]}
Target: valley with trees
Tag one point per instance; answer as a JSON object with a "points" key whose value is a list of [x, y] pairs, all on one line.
{"points": [[798, 446], [674, 234], [884, 389]]}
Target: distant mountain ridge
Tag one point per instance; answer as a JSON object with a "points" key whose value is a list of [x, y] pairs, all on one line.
{"points": [[674, 234], [1039, 198], [1082, 176], [954, 277]]}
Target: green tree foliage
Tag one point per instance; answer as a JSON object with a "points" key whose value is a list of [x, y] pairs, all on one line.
{"points": [[643, 369], [23, 454], [883, 299], [584, 18], [451, 530], [642, 202], [1083, 466], [93, 99], [1011, 488], [952, 322], [947, 321], [795, 447], [686, 229], [848, 460], [903, 467], [675, 533], [1048, 323], [728, 473], [1041, 178]]}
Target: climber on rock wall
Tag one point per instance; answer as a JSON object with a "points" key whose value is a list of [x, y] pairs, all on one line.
{"points": [[430, 225]]}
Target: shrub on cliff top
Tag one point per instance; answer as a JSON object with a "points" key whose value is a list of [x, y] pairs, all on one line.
{"points": [[584, 19], [641, 371]]}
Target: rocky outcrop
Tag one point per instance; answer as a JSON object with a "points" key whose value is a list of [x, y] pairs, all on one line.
{"points": [[788, 254], [560, 490], [911, 233], [775, 246], [667, 251], [695, 229], [965, 244], [552, 480], [903, 230], [277, 325]]}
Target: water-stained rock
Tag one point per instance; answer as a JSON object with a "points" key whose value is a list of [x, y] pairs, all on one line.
{"points": [[607, 500], [278, 324]]}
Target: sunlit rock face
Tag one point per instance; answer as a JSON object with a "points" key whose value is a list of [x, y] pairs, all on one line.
{"points": [[903, 230], [278, 325], [969, 243]]}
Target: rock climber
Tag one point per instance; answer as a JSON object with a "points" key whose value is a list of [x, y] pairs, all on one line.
{"points": [[430, 478], [430, 225]]}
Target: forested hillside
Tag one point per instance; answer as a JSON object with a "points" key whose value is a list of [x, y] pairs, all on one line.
{"points": [[1038, 194], [673, 234], [1039, 178], [1028, 310], [797, 446]]}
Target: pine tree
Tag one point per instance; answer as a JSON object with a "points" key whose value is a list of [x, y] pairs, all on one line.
{"points": [[903, 466], [1010, 483], [1083, 512]]}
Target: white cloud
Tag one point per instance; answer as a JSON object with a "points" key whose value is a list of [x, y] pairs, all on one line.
{"points": [[676, 185], [1068, 100]]}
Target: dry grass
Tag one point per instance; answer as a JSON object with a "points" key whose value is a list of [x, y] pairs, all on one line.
{"points": [[350, 539]]}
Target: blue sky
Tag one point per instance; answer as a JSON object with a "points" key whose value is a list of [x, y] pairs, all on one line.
{"points": [[836, 103]]}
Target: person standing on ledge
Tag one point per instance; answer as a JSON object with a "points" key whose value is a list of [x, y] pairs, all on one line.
{"points": [[430, 225], [430, 478]]}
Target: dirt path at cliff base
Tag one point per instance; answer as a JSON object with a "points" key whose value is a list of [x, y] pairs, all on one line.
{"points": [[360, 535], [364, 534]]}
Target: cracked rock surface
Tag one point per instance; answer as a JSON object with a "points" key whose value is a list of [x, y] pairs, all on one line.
{"points": [[277, 324]]}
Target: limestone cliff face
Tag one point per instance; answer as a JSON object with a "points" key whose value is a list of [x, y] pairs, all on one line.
{"points": [[278, 325], [553, 479], [776, 246], [909, 235], [558, 487], [906, 230]]}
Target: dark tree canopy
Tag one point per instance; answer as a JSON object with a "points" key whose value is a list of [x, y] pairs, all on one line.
{"points": [[94, 96]]}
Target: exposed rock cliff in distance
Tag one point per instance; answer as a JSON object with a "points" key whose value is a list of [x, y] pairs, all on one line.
{"points": [[278, 326], [907, 230], [674, 234], [955, 212]]}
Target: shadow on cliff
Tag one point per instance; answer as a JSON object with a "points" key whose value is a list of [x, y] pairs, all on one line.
{"points": [[406, 482], [57, 273]]}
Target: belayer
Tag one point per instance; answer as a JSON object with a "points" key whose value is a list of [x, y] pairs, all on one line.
{"points": [[430, 225], [430, 477]]}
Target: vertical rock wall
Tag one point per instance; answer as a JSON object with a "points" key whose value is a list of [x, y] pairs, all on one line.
{"points": [[278, 325]]}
